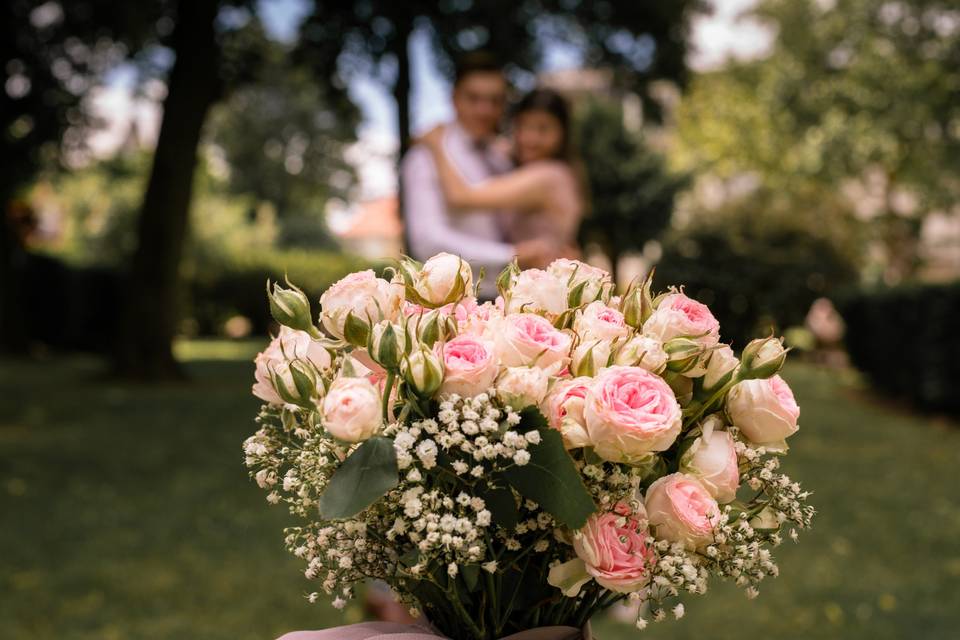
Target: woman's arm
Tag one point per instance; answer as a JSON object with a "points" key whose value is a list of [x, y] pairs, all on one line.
{"points": [[526, 188]]}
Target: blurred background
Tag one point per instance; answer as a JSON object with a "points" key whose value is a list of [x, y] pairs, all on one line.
{"points": [[796, 163]]}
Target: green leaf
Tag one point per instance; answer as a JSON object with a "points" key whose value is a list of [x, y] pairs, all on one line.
{"points": [[356, 331], [502, 505], [550, 478], [368, 473], [471, 575]]}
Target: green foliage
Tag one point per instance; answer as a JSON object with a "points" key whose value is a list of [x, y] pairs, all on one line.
{"points": [[550, 478], [759, 263], [905, 340], [631, 190], [854, 91], [225, 284], [291, 150], [368, 473]]}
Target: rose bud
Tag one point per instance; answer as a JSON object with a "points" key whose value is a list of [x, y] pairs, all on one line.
{"points": [[521, 387], [590, 357], [764, 410], [351, 410], [423, 371], [721, 364], [295, 382], [763, 358], [713, 459], [642, 351], [444, 278], [683, 356], [583, 282], [288, 345], [290, 307], [681, 509], [388, 344]]}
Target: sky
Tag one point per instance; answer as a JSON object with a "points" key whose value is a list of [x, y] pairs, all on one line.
{"points": [[715, 38]]}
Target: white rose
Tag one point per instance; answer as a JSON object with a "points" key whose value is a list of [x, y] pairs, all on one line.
{"points": [[437, 281], [371, 299], [713, 459], [536, 291], [642, 351], [764, 410], [720, 363], [597, 321], [351, 410], [521, 387]]}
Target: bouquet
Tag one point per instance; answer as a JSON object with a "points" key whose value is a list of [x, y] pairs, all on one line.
{"points": [[524, 463]]}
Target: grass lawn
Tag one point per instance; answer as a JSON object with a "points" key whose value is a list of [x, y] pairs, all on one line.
{"points": [[126, 513]]}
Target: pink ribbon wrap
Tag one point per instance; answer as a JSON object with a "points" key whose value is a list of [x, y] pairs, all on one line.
{"points": [[396, 631]]}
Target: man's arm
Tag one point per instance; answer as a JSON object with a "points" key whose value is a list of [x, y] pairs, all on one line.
{"points": [[428, 227]]}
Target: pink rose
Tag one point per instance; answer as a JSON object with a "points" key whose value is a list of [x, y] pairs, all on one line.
{"points": [[564, 409], [613, 546], [528, 339], [765, 411], [352, 409], [682, 510], [677, 315], [597, 321], [713, 459], [630, 412], [469, 365]]}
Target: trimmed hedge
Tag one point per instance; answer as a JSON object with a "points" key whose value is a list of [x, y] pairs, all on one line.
{"points": [[226, 285], [905, 339]]}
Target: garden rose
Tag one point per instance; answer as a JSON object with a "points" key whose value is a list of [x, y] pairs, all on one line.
{"points": [[370, 298], [597, 321], [470, 365], [521, 387], [680, 316], [437, 282], [529, 339], [573, 272], [680, 509], [537, 291], [630, 412], [613, 547], [352, 409], [642, 351], [764, 410], [713, 459], [289, 344], [563, 408]]}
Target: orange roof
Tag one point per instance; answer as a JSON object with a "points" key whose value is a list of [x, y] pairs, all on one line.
{"points": [[378, 218]]}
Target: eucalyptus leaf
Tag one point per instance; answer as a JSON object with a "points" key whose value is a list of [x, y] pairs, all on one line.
{"points": [[550, 478], [368, 473]]}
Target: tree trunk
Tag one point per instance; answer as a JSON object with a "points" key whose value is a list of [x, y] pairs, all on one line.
{"points": [[151, 314], [12, 329], [401, 93]]}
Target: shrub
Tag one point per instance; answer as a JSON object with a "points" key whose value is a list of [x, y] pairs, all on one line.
{"points": [[905, 340], [223, 285], [757, 267]]}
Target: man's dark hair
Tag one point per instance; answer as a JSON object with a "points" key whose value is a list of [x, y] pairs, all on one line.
{"points": [[480, 61]]}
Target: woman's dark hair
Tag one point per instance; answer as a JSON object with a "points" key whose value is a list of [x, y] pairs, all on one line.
{"points": [[551, 102]]}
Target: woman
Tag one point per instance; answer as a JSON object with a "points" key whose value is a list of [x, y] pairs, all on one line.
{"points": [[543, 197]]}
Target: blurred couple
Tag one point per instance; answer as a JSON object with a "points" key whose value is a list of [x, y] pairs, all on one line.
{"points": [[469, 192]]}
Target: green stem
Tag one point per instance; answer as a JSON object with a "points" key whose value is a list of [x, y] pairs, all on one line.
{"points": [[387, 390], [713, 398]]}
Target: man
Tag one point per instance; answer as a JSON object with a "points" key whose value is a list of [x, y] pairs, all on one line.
{"points": [[479, 97]]}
